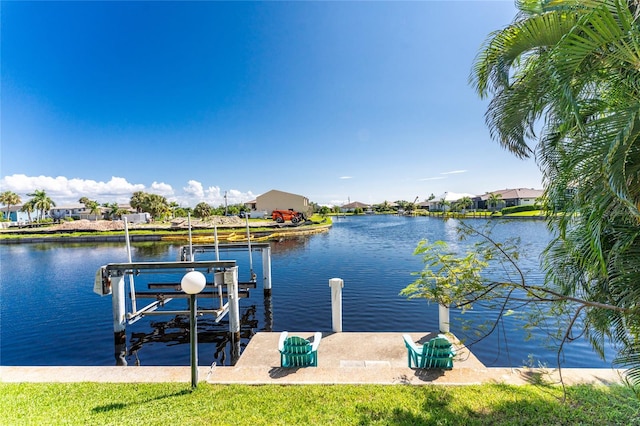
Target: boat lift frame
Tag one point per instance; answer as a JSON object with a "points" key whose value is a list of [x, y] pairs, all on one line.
{"points": [[110, 280], [263, 248]]}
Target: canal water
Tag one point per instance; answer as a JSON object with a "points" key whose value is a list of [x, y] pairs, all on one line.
{"points": [[50, 316]]}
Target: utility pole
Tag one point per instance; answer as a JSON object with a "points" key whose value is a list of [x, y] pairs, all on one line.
{"points": [[225, 203]]}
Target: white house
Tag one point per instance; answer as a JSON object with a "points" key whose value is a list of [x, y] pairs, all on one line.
{"points": [[444, 201]]}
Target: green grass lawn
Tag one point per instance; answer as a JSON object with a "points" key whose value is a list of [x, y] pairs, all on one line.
{"points": [[176, 404]]}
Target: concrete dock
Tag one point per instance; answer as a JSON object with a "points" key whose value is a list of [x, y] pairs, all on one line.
{"points": [[343, 358]]}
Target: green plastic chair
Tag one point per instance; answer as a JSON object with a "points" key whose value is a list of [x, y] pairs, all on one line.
{"points": [[438, 352], [296, 351]]}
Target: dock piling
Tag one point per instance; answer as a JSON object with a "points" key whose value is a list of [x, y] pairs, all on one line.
{"points": [[266, 270], [119, 318], [443, 318], [231, 280], [336, 285]]}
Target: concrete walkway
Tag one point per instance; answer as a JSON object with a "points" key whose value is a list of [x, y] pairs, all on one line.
{"points": [[343, 358]]}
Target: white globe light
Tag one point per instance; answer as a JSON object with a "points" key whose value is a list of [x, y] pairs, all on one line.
{"points": [[193, 282]]}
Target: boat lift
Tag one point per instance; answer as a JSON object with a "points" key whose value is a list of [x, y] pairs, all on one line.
{"points": [[110, 279], [221, 282]]}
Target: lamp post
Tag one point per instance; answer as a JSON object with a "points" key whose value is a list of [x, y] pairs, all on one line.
{"points": [[192, 283]]}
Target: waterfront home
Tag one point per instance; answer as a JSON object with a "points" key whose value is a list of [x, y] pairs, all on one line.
{"points": [[350, 207], [280, 200], [17, 217], [510, 197], [444, 201]]}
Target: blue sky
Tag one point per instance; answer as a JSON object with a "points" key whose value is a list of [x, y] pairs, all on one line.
{"points": [[361, 101]]}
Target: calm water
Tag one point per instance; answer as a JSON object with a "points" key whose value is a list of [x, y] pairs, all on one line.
{"points": [[50, 315]]}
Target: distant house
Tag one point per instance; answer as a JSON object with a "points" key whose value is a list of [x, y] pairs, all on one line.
{"points": [[354, 205], [444, 201], [137, 217], [511, 197], [17, 217], [79, 211], [280, 200], [73, 211], [76, 211]]}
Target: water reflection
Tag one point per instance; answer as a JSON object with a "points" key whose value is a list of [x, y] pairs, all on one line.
{"points": [[150, 249], [268, 314], [175, 332], [287, 245]]}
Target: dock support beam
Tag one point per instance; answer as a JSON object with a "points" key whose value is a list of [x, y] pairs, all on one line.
{"points": [[119, 319], [231, 280], [443, 318], [336, 285], [266, 270]]}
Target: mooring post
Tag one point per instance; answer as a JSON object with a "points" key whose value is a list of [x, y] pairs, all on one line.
{"points": [[336, 285], [231, 280], [443, 318], [266, 270], [119, 319]]}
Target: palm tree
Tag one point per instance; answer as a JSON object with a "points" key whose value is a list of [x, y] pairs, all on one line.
{"points": [[464, 203], [114, 211], [91, 205], [94, 208], [28, 208], [174, 206], [9, 198], [202, 210], [493, 200], [570, 69], [41, 202], [138, 200], [156, 205]]}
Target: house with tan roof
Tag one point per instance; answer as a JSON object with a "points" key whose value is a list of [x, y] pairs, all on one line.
{"points": [[510, 197], [354, 205], [280, 200]]}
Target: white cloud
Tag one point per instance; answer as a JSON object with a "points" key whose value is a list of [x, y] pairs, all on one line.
{"points": [[68, 191], [432, 178], [213, 195], [234, 196], [346, 177], [65, 191], [161, 188], [194, 188], [453, 172]]}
